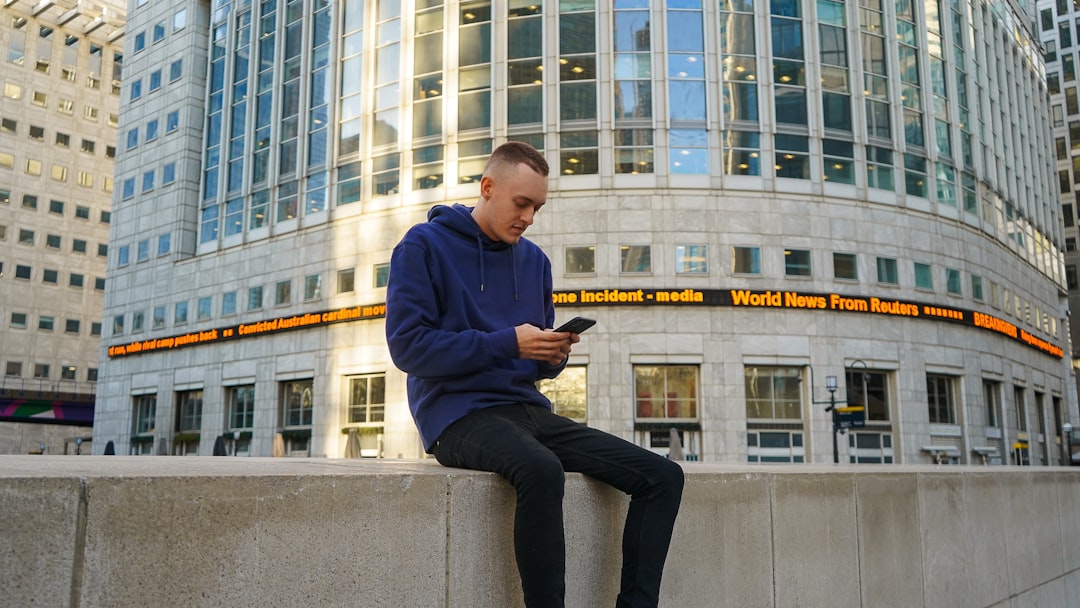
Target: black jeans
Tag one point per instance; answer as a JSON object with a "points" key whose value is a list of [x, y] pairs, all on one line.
{"points": [[531, 447]]}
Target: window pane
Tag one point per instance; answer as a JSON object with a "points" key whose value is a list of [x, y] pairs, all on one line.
{"points": [[844, 266], [633, 99], [886, 271], [580, 260], [746, 260], [665, 391], [577, 101], [632, 31], [692, 259], [687, 100], [635, 258], [797, 263], [868, 388], [924, 278], [740, 102], [773, 392], [525, 105], [577, 33]]}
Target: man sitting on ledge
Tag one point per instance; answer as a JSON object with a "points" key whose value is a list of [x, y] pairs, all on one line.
{"points": [[469, 313]]}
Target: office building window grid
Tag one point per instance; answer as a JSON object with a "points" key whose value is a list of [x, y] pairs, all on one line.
{"points": [[51, 93], [648, 65]]}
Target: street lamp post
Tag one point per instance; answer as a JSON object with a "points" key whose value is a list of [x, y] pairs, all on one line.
{"points": [[830, 385], [844, 416]]}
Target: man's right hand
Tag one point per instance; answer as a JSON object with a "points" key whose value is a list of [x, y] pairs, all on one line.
{"points": [[540, 345]]}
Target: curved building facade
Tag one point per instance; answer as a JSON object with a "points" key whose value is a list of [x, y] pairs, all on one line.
{"points": [[808, 230]]}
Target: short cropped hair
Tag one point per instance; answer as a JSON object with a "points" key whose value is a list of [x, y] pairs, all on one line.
{"points": [[516, 153]]}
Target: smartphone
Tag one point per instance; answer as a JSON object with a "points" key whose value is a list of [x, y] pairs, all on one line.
{"points": [[576, 325]]}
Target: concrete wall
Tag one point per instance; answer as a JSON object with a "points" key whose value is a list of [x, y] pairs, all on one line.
{"points": [[150, 531]]}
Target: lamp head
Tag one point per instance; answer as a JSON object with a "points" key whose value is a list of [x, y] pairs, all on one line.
{"points": [[830, 383]]}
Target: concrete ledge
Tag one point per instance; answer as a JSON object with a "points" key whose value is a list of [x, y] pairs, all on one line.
{"points": [[151, 531]]}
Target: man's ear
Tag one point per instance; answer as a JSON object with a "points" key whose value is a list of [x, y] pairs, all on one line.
{"points": [[487, 185]]}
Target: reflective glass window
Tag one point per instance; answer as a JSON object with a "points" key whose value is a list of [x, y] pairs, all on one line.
{"points": [[689, 151], [838, 160], [578, 153], [746, 260], [635, 258], [692, 259], [792, 160], [797, 263], [580, 259], [633, 151], [742, 153], [525, 43], [687, 100]]}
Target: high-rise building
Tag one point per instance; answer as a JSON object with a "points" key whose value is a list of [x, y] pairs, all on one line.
{"points": [[1059, 45], [790, 218], [61, 71]]}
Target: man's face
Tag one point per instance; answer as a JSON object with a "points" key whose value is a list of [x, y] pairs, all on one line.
{"points": [[509, 199]]}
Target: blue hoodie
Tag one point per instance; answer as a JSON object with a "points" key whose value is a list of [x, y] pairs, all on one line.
{"points": [[453, 300]]}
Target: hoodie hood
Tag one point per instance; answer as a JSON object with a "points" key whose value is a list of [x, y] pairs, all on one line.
{"points": [[459, 219]]}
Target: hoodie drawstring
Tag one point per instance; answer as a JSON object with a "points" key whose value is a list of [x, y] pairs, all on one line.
{"points": [[513, 265], [480, 251], [513, 270]]}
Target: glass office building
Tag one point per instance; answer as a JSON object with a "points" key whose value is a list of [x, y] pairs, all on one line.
{"points": [[773, 210]]}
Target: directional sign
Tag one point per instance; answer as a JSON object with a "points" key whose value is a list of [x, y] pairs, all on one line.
{"points": [[850, 417]]}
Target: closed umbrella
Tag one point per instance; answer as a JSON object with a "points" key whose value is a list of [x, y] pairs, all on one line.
{"points": [[110, 448], [675, 450], [352, 445], [219, 446], [279, 445]]}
